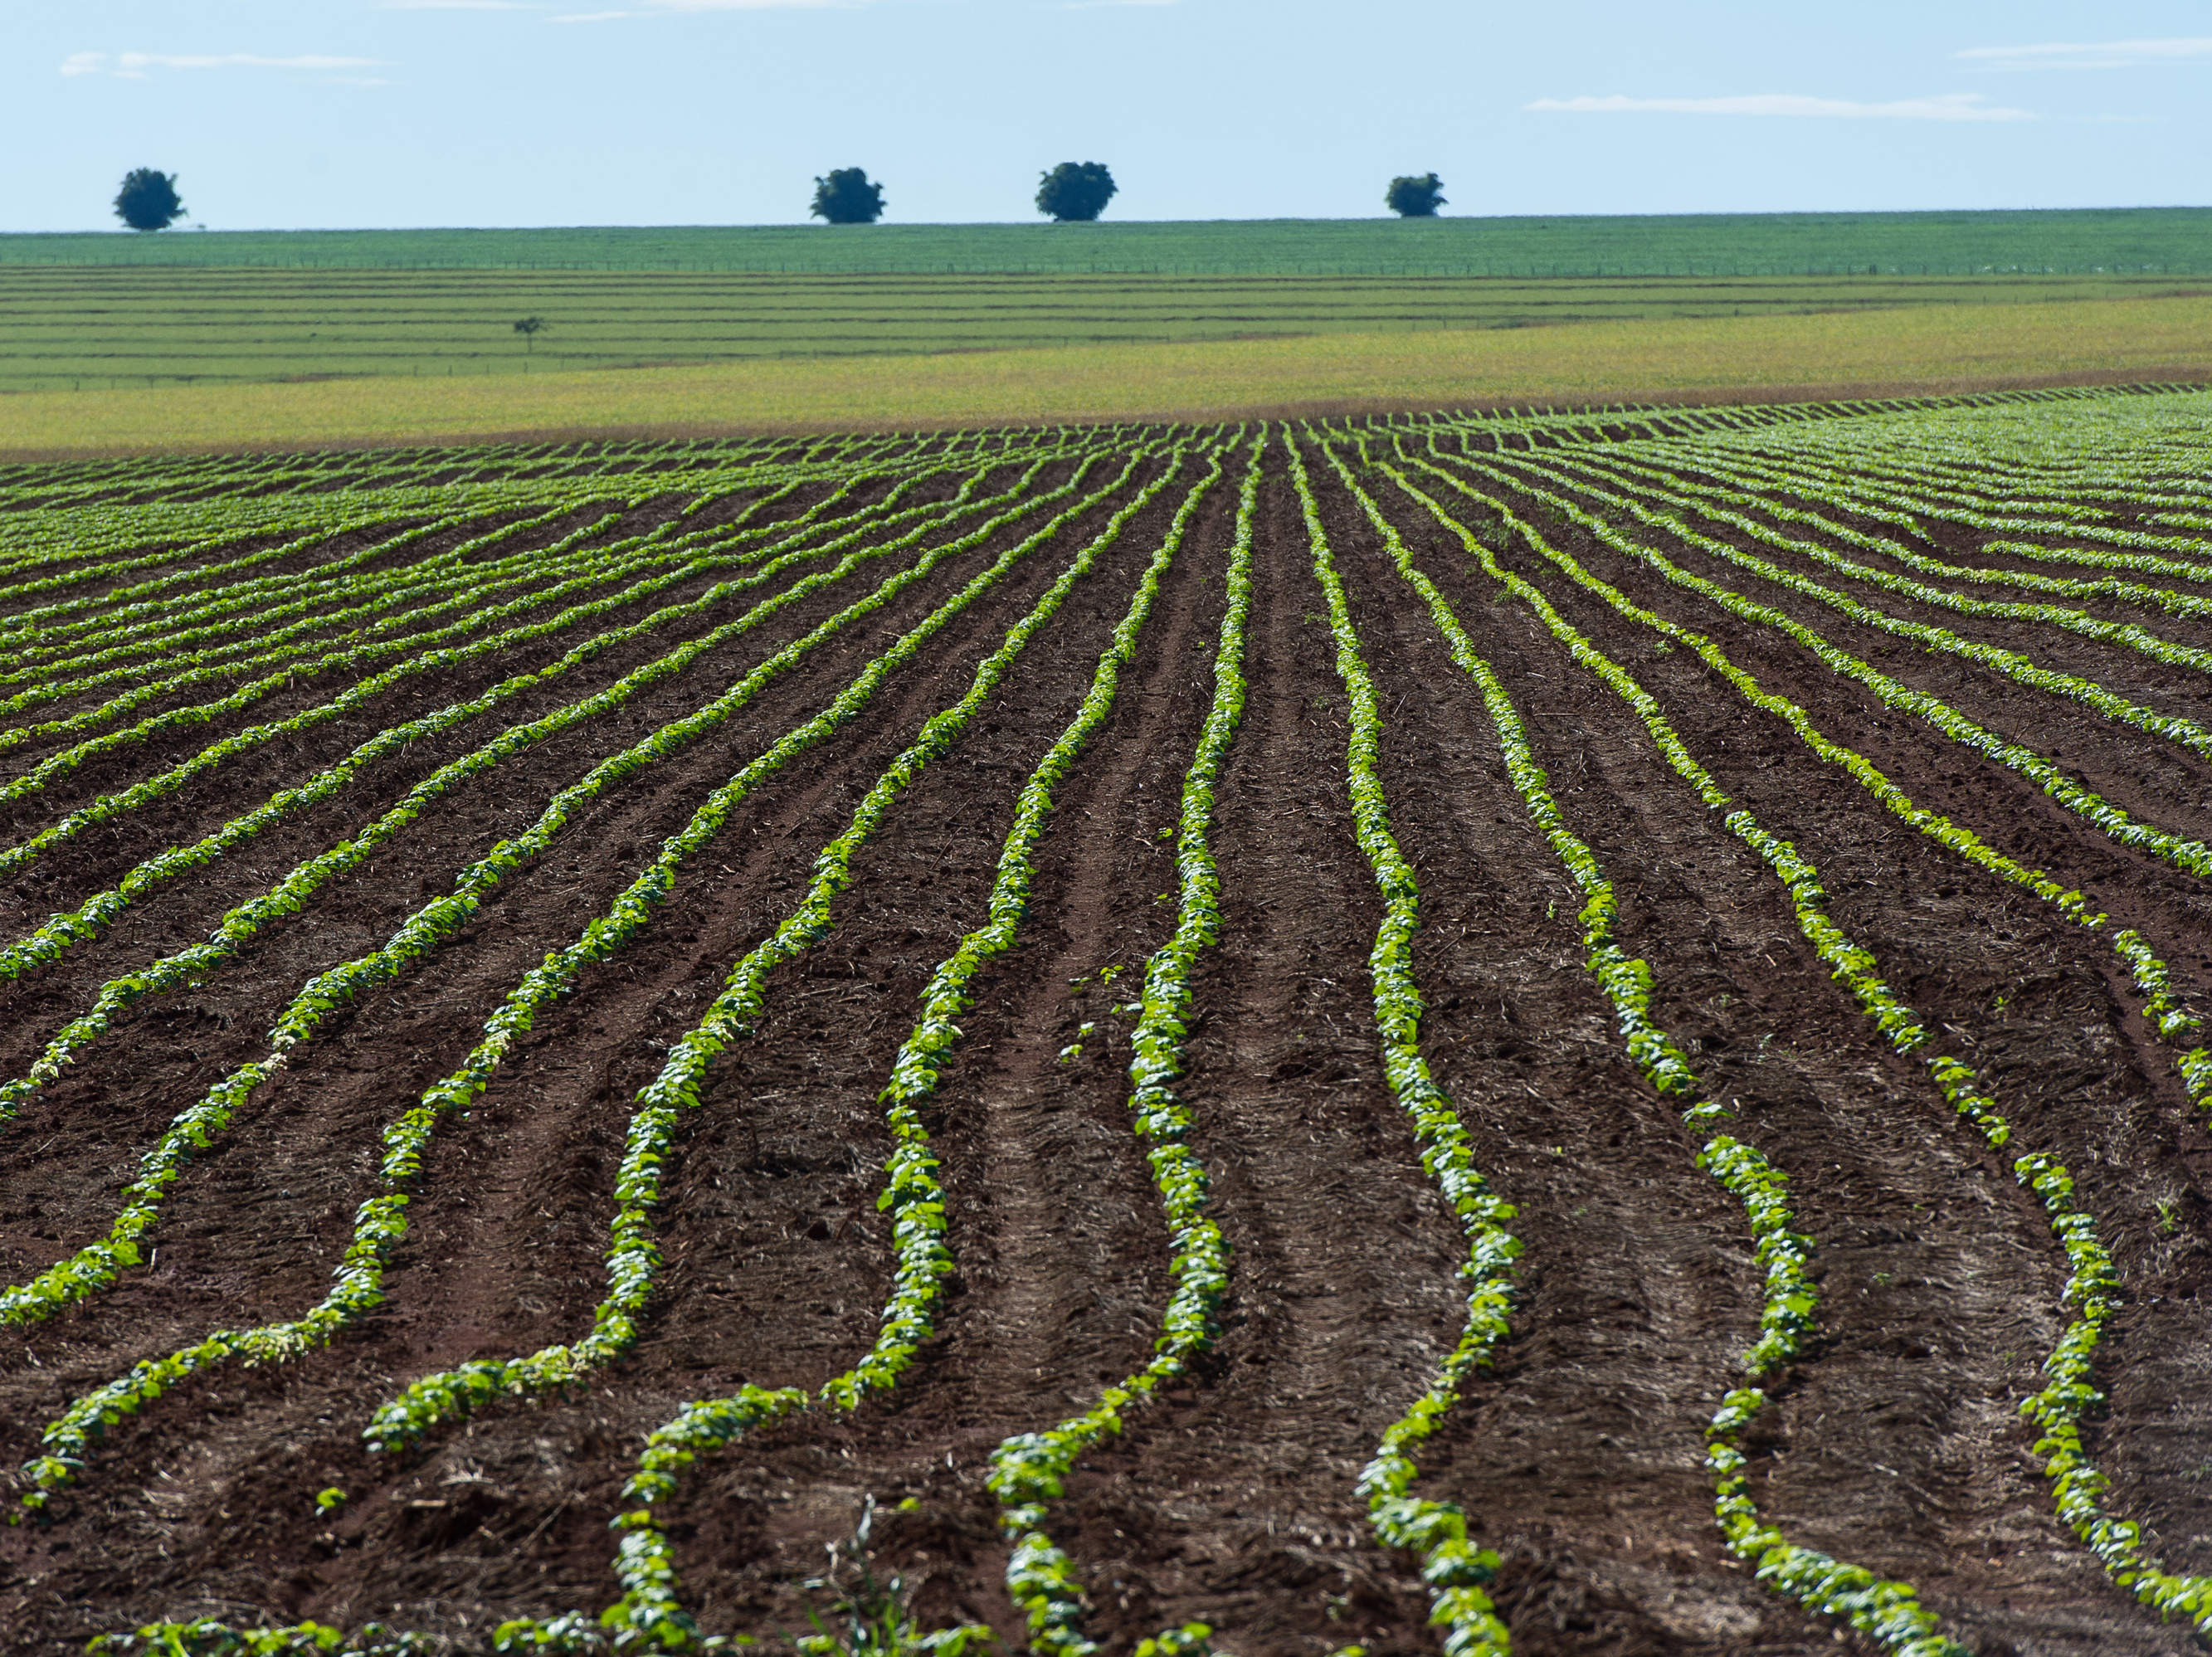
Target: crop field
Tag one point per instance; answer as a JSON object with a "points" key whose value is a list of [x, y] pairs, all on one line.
{"points": [[1542, 1032], [94, 328], [2144, 241], [1917, 349]]}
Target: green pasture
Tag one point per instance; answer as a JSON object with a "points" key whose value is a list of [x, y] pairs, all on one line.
{"points": [[2158, 241], [78, 328]]}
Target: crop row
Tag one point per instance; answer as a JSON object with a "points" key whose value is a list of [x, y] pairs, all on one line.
{"points": [[633, 1257], [2184, 733], [2093, 1290], [2072, 620], [179, 675], [92, 916], [650, 1615], [319, 590], [1849, 485], [434, 660], [1751, 452], [1434, 1532], [2162, 1010], [1769, 487], [2191, 856], [1029, 1470], [97, 1265], [197, 963], [2164, 599], [1887, 1609], [364, 513], [381, 1223], [182, 670]]}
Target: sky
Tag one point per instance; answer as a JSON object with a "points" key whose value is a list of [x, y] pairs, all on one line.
{"points": [[339, 114]]}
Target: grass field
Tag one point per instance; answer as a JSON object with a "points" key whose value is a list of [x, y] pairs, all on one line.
{"points": [[65, 328], [2152, 240], [1892, 351]]}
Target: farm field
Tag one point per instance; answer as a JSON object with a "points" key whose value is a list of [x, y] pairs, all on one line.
{"points": [[1549, 1032], [1907, 351], [90, 328], [2149, 240]]}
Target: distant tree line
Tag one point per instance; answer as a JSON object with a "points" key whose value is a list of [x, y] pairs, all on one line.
{"points": [[1073, 192], [1076, 192]]}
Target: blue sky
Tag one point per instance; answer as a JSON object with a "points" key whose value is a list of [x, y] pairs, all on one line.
{"points": [[281, 113]]}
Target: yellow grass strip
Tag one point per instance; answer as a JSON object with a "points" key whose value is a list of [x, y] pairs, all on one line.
{"points": [[1892, 352]]}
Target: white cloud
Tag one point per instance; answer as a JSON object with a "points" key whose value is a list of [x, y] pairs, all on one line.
{"points": [[589, 16], [2101, 54], [237, 60], [134, 65], [1946, 107], [451, 5]]}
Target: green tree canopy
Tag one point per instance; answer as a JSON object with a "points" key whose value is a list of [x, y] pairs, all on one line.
{"points": [[1415, 198], [1076, 189], [846, 197], [148, 200]]}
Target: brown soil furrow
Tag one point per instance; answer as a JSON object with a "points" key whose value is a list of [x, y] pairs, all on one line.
{"points": [[1058, 1233], [1939, 1279], [2143, 774], [1577, 1453], [2046, 1009], [2117, 667], [220, 1024], [1960, 543], [150, 650], [1940, 773], [119, 768], [433, 1015], [531, 1167], [1231, 1501], [186, 908]]}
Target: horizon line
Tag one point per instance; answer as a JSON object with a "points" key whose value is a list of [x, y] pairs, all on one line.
{"points": [[176, 234]]}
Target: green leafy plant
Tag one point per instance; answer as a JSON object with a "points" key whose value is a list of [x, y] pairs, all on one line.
{"points": [[381, 1221], [1029, 1470], [1455, 1570], [650, 1613], [1889, 1612]]}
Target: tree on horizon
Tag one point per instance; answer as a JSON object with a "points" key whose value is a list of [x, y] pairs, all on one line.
{"points": [[1075, 191], [148, 199], [1415, 198], [847, 197]]}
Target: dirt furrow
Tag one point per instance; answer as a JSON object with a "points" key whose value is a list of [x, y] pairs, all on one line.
{"points": [[513, 1218], [1897, 1446]]}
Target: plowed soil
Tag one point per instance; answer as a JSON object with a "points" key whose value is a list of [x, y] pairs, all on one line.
{"points": [[1578, 1454]]}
